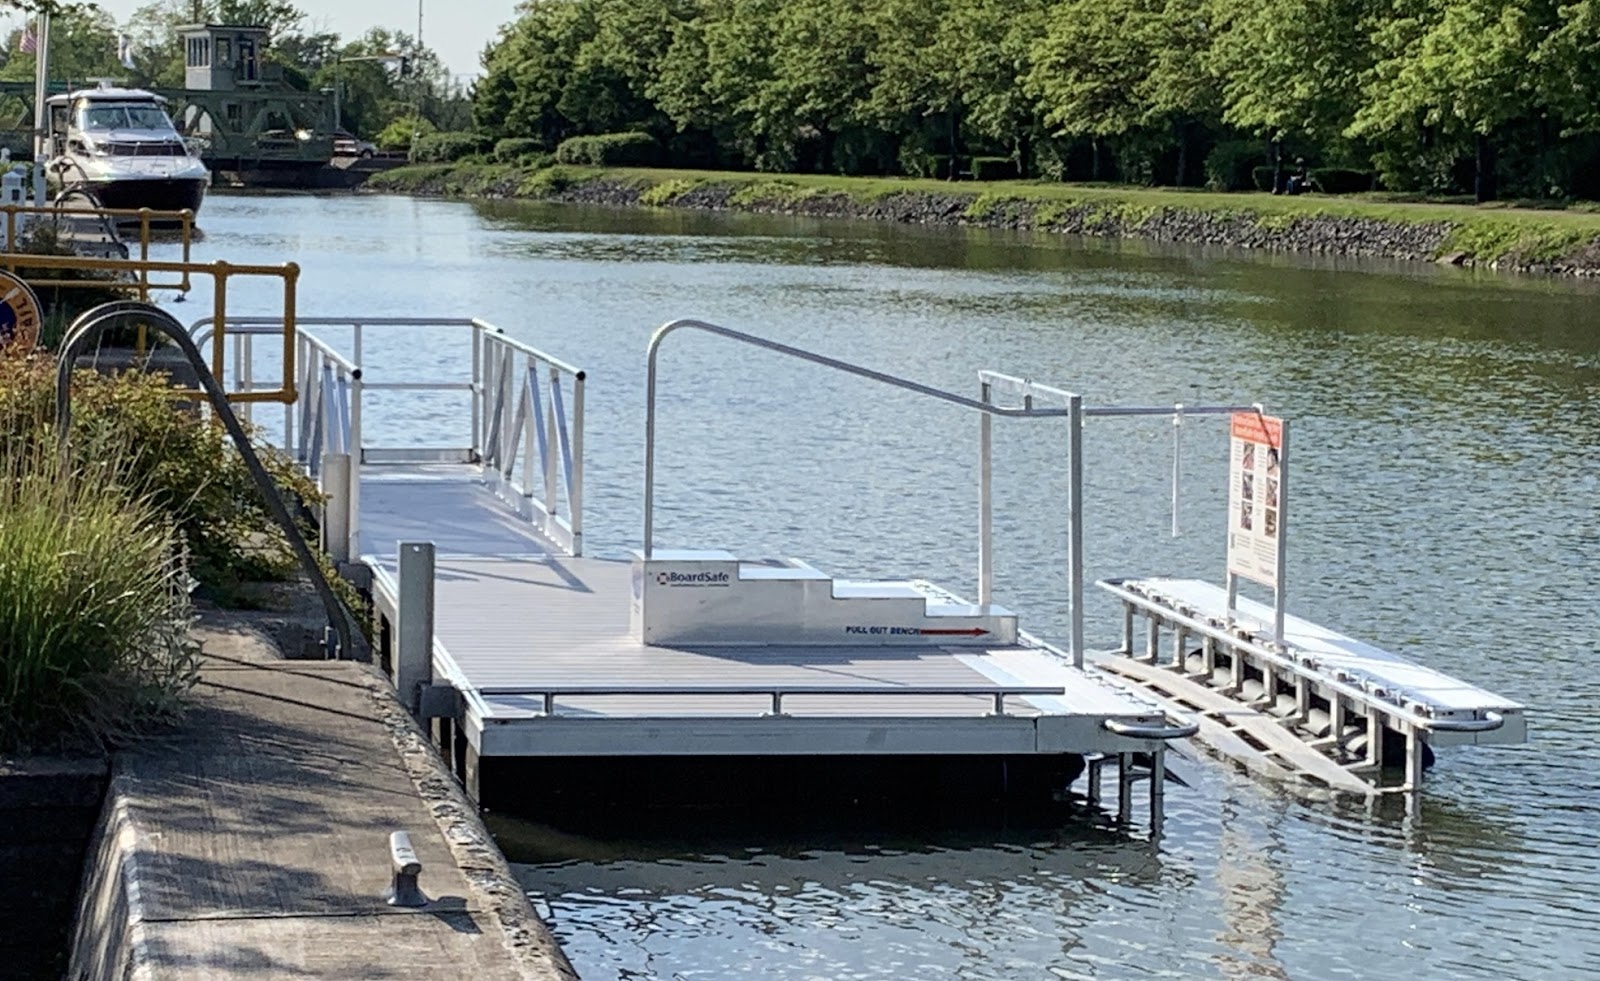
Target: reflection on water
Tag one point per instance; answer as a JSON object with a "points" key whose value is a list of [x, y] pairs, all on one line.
{"points": [[1447, 505]]}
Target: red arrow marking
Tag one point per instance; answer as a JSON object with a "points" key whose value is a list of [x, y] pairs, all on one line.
{"points": [[970, 632]]}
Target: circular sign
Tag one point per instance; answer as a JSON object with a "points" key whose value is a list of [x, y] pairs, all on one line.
{"points": [[20, 314]]}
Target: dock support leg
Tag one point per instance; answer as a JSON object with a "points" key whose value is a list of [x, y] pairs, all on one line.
{"points": [[1158, 788], [1152, 641], [413, 662], [1374, 741], [471, 775], [1124, 787], [1096, 770], [1127, 625], [1180, 640], [1208, 656]]}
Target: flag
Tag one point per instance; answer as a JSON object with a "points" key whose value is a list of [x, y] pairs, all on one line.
{"points": [[125, 51], [30, 40]]}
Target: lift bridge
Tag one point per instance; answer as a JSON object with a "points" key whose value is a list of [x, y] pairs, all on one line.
{"points": [[256, 129]]}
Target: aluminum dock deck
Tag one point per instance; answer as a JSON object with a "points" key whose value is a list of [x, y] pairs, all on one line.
{"points": [[538, 645]]}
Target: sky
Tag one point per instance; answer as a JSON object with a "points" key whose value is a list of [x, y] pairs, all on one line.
{"points": [[457, 29]]}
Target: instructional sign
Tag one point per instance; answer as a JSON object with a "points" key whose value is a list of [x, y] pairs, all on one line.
{"points": [[1255, 497]]}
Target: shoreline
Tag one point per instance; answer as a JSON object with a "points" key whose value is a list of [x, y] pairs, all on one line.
{"points": [[1552, 243]]}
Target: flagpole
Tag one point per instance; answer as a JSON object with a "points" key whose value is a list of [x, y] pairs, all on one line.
{"points": [[41, 88]]}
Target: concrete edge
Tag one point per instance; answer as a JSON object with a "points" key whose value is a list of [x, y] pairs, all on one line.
{"points": [[525, 935]]}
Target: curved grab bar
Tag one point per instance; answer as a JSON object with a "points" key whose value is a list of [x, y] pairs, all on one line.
{"points": [[1490, 722], [1136, 730]]}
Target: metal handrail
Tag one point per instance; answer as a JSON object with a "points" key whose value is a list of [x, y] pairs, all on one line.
{"points": [[1296, 669], [775, 693], [520, 409], [89, 326], [794, 352], [1074, 412]]}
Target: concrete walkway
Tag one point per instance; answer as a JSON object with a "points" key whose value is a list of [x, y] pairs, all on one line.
{"points": [[254, 842]]}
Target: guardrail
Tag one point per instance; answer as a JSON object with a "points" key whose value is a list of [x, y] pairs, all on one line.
{"points": [[526, 416], [147, 218]]}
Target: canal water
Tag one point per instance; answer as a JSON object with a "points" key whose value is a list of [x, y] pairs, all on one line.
{"points": [[1445, 503]]}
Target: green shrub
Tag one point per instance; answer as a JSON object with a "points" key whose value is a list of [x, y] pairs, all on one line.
{"points": [[609, 150], [1340, 180], [994, 169], [513, 149], [93, 629], [1231, 164], [181, 464], [448, 147], [399, 134]]}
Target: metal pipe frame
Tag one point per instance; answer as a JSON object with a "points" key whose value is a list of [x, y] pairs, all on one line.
{"points": [[1276, 662], [525, 403], [777, 694]]}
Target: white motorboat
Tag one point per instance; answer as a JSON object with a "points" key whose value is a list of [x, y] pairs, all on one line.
{"points": [[121, 145]]}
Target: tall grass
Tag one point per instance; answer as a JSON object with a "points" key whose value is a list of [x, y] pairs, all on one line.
{"points": [[94, 604]]}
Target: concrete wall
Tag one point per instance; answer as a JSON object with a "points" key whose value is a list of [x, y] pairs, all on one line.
{"points": [[48, 813]]}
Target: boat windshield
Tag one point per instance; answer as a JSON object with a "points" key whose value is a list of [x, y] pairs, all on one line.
{"points": [[122, 115]]}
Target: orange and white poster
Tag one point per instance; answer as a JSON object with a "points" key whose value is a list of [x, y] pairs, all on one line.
{"points": [[1255, 497]]}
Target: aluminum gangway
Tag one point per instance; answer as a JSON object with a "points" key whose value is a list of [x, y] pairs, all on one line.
{"points": [[501, 630]]}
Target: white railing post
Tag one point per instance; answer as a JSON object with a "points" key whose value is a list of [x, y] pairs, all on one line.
{"points": [[413, 636], [575, 489], [985, 501], [548, 446], [336, 481], [477, 389]]}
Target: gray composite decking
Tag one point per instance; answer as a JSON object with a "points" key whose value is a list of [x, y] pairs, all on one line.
{"points": [[513, 613]]}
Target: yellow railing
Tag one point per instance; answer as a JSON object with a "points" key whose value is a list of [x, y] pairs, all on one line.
{"points": [[109, 218], [137, 271]]}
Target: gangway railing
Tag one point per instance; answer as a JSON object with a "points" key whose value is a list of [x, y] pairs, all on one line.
{"points": [[992, 384], [526, 413], [108, 219]]}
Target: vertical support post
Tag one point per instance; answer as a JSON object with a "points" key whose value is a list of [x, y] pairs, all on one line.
{"points": [[1177, 463], [1208, 656], [41, 91], [552, 443], [1413, 759], [1158, 787], [477, 389], [356, 458], [1152, 639], [219, 322], [1124, 787], [1279, 599], [1096, 772], [291, 332], [1075, 525], [1180, 640], [247, 374], [1374, 739], [575, 492], [1336, 721], [1127, 628], [985, 500], [336, 478], [413, 662]]}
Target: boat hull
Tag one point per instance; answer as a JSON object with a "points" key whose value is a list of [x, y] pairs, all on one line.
{"points": [[158, 194]]}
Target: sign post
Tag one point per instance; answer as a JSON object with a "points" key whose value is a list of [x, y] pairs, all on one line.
{"points": [[1258, 484]]}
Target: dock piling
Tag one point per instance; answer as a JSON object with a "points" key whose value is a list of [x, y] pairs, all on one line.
{"points": [[413, 661]]}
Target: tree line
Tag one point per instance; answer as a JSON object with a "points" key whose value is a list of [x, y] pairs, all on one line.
{"points": [[379, 96], [1492, 97]]}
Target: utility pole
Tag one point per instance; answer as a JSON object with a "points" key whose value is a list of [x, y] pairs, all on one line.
{"points": [[416, 96]]}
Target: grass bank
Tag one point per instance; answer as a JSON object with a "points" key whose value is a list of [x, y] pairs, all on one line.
{"points": [[1500, 235]]}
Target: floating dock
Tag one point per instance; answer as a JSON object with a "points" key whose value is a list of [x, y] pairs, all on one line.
{"points": [[516, 645]]}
